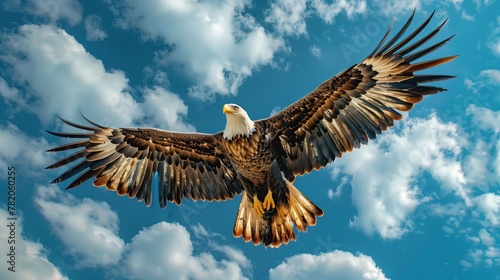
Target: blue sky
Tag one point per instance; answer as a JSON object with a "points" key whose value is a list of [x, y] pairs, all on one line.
{"points": [[420, 202]]}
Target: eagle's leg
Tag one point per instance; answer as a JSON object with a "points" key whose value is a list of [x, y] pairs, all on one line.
{"points": [[264, 209], [258, 206], [268, 205], [269, 201]]}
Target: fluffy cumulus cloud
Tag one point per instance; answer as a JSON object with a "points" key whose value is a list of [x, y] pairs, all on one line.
{"points": [[486, 147], [465, 166], [51, 10], [489, 205], [396, 7], [473, 85], [60, 77], [289, 16], [486, 251], [343, 265], [492, 75], [328, 11], [466, 16], [200, 231], [7, 92], [485, 119], [478, 220], [16, 147], [87, 228], [60, 71], [31, 257], [484, 87], [216, 42], [165, 250], [386, 195], [93, 28], [315, 51], [167, 114], [494, 38]]}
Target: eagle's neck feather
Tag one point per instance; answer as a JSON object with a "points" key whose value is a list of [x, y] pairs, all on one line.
{"points": [[238, 126]]}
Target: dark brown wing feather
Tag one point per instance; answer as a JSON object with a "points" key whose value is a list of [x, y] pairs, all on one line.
{"points": [[356, 104], [124, 160]]}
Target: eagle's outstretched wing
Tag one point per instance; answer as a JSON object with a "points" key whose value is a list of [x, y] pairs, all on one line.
{"points": [[189, 165], [356, 104]]}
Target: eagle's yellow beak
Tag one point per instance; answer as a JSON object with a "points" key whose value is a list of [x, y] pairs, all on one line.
{"points": [[227, 110]]}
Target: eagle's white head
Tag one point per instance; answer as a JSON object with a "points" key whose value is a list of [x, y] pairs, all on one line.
{"points": [[238, 122]]}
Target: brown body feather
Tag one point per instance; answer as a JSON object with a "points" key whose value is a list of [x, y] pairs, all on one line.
{"points": [[260, 172], [341, 114]]}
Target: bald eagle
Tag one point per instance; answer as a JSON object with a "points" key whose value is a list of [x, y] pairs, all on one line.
{"points": [[260, 159]]}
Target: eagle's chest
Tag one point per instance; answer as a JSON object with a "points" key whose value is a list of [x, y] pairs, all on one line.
{"points": [[249, 154]]}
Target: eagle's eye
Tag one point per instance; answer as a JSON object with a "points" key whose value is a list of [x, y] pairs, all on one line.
{"points": [[236, 108]]}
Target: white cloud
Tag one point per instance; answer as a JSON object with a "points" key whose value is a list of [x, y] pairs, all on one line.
{"points": [[328, 11], [168, 108], [482, 3], [486, 238], [396, 7], [65, 79], [493, 41], [343, 265], [288, 16], [494, 45], [87, 228], [31, 261], [486, 253], [201, 232], [166, 249], [493, 75], [89, 231], [61, 72], [339, 188], [216, 42], [93, 28], [496, 162], [315, 51], [386, 194], [473, 86], [51, 10], [456, 3], [466, 16], [275, 110], [9, 93], [489, 205], [484, 118], [235, 256], [476, 165], [18, 148], [482, 165], [465, 264]]}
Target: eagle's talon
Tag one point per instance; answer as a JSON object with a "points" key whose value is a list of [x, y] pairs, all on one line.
{"points": [[268, 213], [257, 205], [269, 201]]}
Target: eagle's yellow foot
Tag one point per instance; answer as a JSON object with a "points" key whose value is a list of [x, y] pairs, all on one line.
{"points": [[269, 201], [266, 208], [257, 205]]}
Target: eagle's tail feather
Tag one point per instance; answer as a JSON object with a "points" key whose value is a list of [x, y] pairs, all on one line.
{"points": [[249, 224], [302, 211], [278, 228]]}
